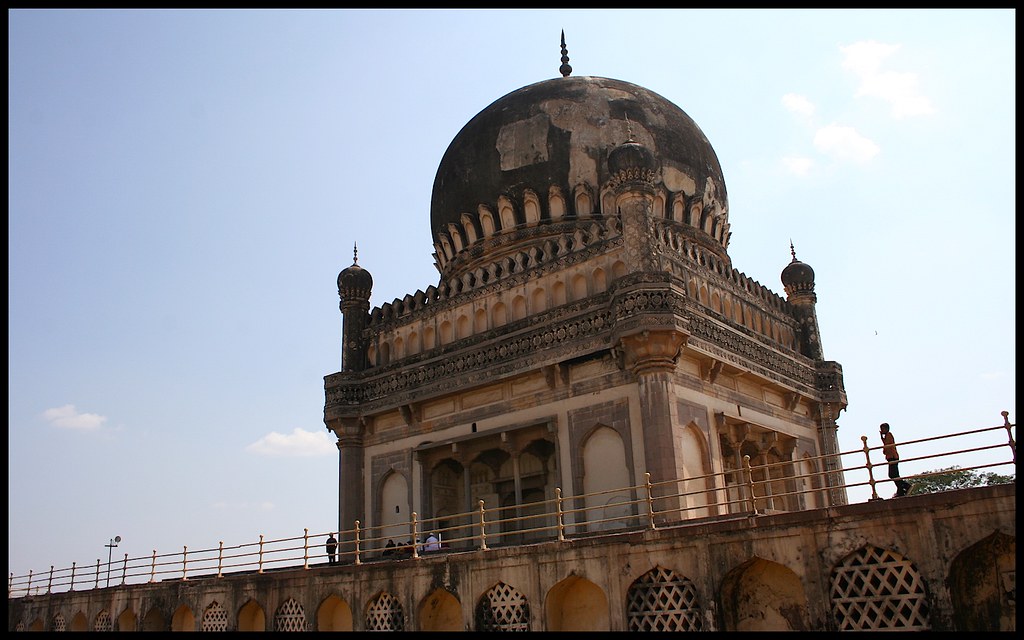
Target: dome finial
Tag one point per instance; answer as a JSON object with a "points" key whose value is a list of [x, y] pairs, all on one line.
{"points": [[355, 254], [792, 251], [565, 69], [629, 129]]}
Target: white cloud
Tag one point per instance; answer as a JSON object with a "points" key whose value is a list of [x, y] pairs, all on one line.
{"points": [[798, 104], [299, 443], [797, 165], [67, 417], [898, 89], [845, 143]]}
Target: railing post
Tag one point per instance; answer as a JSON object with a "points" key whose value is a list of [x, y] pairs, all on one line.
{"points": [[415, 536], [305, 548], [184, 563], [28, 589], [483, 529], [49, 582], [1009, 434], [124, 569], [871, 474], [358, 561], [650, 500], [558, 508], [97, 585], [750, 484], [220, 559], [261, 555], [152, 568]]}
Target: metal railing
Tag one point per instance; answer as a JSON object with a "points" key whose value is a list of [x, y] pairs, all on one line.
{"points": [[749, 490]]}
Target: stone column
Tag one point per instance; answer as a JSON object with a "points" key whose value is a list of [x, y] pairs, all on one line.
{"points": [[651, 356], [827, 435], [351, 492]]}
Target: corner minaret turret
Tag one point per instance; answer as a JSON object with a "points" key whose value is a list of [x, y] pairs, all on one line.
{"points": [[798, 279], [354, 285]]}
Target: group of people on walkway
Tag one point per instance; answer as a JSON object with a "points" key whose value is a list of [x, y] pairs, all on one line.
{"points": [[430, 545]]}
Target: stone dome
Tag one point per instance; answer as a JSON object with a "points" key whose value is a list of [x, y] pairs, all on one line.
{"points": [[558, 134], [797, 277], [354, 282], [631, 157]]}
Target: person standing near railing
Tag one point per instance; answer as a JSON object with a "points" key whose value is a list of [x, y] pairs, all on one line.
{"points": [[892, 456], [332, 547]]}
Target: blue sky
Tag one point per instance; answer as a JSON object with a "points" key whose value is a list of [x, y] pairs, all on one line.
{"points": [[185, 186]]}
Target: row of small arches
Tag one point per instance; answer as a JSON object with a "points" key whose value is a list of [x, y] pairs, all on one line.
{"points": [[743, 314], [578, 286], [519, 262], [768, 596], [708, 260], [486, 223]]}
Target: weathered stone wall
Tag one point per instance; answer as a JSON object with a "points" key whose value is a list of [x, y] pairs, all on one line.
{"points": [[746, 572]]}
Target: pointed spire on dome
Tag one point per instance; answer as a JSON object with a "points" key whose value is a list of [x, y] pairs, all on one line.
{"points": [[565, 69], [355, 253], [629, 129], [797, 277]]}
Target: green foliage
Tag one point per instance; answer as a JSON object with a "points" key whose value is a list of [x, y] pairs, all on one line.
{"points": [[955, 478]]}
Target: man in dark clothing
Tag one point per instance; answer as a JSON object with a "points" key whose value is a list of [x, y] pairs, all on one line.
{"points": [[332, 547], [893, 458]]}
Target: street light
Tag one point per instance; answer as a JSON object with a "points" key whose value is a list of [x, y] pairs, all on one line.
{"points": [[110, 550]]}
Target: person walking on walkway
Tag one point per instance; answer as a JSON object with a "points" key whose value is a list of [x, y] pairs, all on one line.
{"points": [[893, 458]]}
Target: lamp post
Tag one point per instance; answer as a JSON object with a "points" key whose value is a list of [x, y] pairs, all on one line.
{"points": [[110, 550]]}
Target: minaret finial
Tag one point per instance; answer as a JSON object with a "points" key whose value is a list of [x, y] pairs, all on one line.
{"points": [[792, 250], [629, 128], [355, 254], [565, 69]]}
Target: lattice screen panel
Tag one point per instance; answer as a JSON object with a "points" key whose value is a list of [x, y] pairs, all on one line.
{"points": [[385, 614], [876, 588], [58, 623], [503, 608], [19, 627], [290, 617], [660, 600], [103, 622], [215, 618]]}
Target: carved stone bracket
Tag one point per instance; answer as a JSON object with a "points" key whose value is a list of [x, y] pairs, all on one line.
{"points": [[410, 413], [651, 351], [556, 375], [350, 431], [709, 371], [790, 400]]}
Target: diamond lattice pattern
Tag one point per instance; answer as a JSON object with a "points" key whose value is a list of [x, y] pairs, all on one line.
{"points": [[103, 622], [385, 614], [503, 608], [59, 624], [876, 588], [290, 617], [215, 618], [660, 600]]}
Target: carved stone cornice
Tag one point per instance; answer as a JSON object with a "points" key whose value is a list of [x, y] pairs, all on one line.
{"points": [[636, 303], [729, 345]]}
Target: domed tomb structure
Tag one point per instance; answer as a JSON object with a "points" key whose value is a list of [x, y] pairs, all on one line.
{"points": [[535, 162], [587, 328]]}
